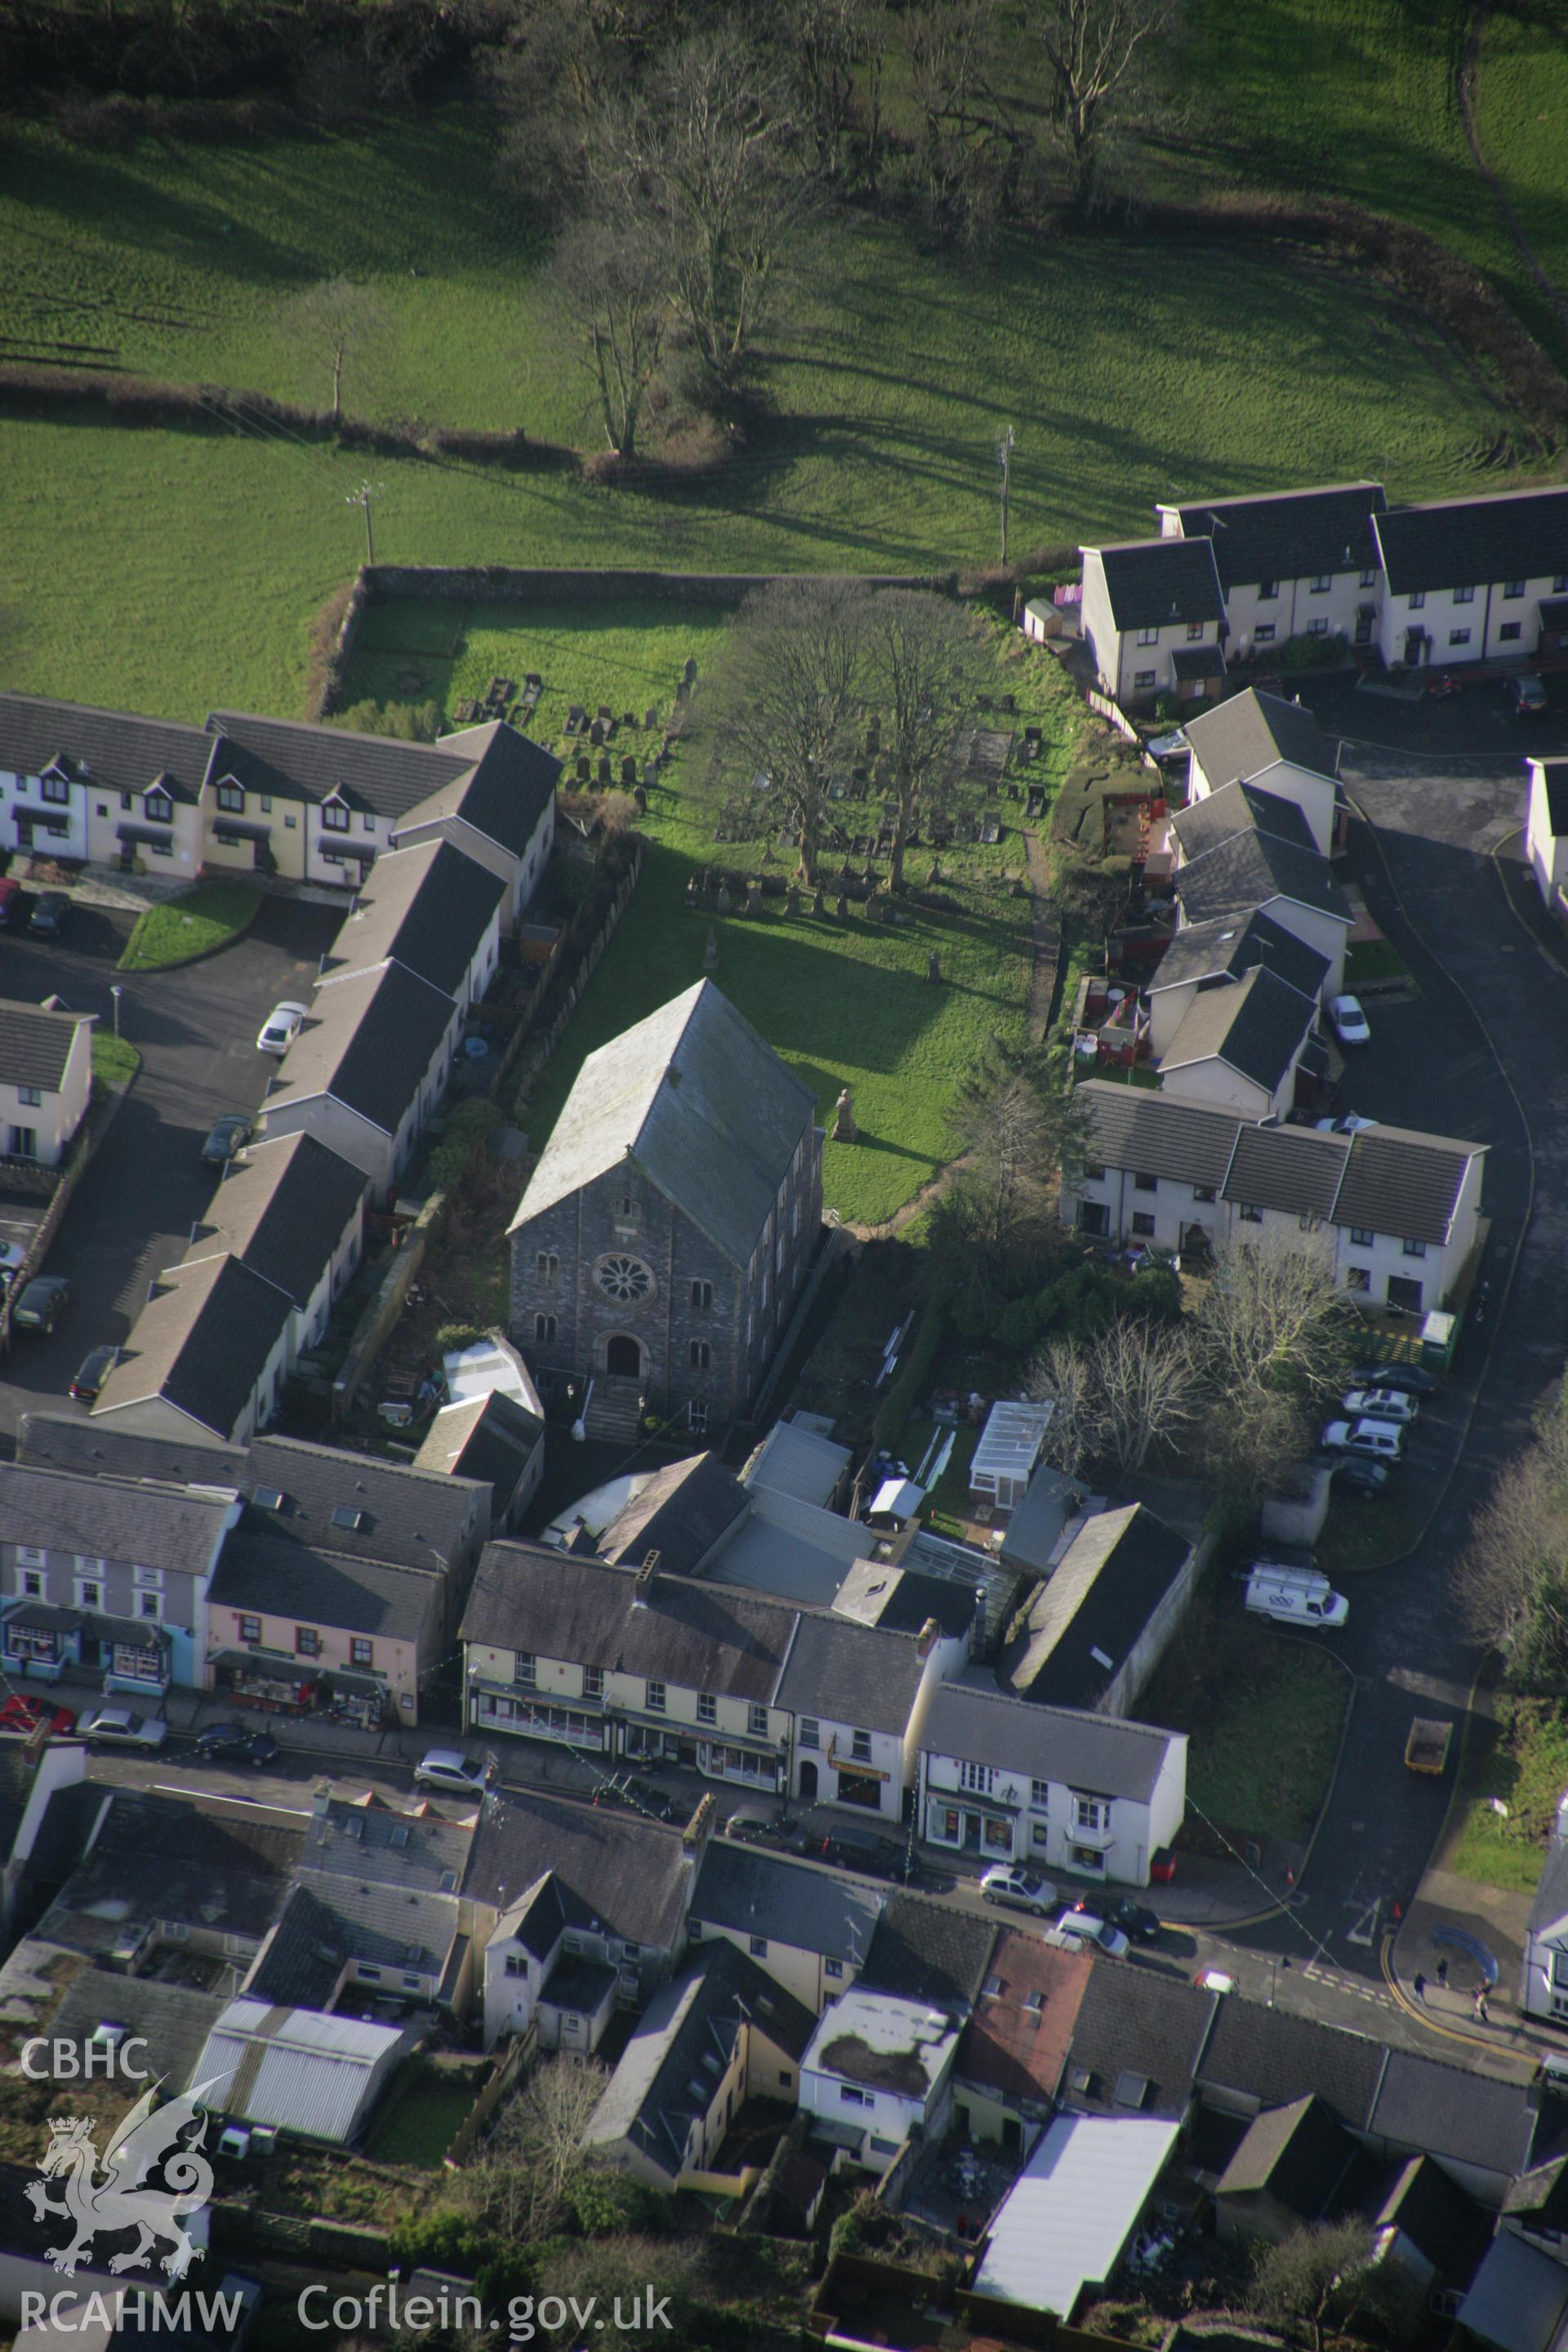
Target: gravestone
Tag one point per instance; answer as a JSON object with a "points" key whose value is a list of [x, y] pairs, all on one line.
{"points": [[628, 770], [688, 675], [844, 911], [584, 767], [639, 800], [753, 897], [792, 901], [597, 730], [934, 876], [723, 901], [683, 692], [607, 774], [873, 908], [692, 892], [844, 1128], [933, 969], [650, 716], [710, 952]]}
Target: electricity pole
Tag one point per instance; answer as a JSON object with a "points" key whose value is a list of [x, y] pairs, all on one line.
{"points": [[364, 497], [1003, 459]]}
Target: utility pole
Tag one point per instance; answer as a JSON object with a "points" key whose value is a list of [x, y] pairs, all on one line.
{"points": [[1004, 459], [364, 497]]}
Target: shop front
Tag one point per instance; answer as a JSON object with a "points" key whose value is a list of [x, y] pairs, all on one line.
{"points": [[42, 1642], [269, 1680]]}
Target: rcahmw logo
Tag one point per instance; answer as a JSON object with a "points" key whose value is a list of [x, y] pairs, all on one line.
{"points": [[149, 2314], [153, 2181]]}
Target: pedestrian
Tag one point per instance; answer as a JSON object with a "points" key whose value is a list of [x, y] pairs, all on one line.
{"points": [[1481, 2016], [1419, 1986], [1443, 1970]]}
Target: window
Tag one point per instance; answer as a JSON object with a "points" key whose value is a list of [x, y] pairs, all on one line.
{"points": [[1464, 595], [626, 1209], [757, 1720], [1361, 1237], [1368, 580], [594, 1682], [624, 1279], [1268, 592], [1093, 1217], [55, 788], [1194, 630], [653, 1697], [290, 823], [1086, 1857], [1414, 1249], [524, 1669], [707, 1708], [334, 817], [1508, 631], [1511, 588], [1319, 627], [88, 1593], [1093, 1173], [32, 1584], [759, 1947], [1143, 1182], [158, 808], [1142, 678], [699, 1354], [124, 802], [1247, 1213], [1320, 585], [1143, 1225], [546, 1265], [1041, 1795], [697, 1416], [544, 1326], [307, 1642], [701, 1297], [1458, 636], [1091, 1814], [1264, 633], [150, 1607], [860, 1746], [360, 1652], [1358, 1277], [368, 823], [808, 1733], [852, 2097], [1204, 1193], [1148, 637], [230, 797], [976, 1777], [266, 804], [30, 1095], [833, 1968], [516, 1965], [250, 1629], [1419, 600]]}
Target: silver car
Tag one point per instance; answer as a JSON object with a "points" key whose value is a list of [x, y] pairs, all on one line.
{"points": [[1021, 1888]]}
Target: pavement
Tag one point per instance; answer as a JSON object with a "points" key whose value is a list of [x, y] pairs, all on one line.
{"points": [[195, 1029]]}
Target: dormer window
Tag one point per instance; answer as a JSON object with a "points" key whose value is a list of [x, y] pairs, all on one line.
{"points": [[158, 808], [334, 816], [55, 785], [230, 797]]}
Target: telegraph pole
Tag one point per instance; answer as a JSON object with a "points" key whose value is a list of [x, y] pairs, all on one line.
{"points": [[364, 497], [1004, 459]]}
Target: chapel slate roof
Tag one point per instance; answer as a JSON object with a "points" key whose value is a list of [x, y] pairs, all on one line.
{"points": [[297, 761], [925, 1950], [1228, 946], [752, 1893], [281, 1209], [1102, 1755], [1292, 535], [697, 1100], [1156, 584], [269, 1576], [632, 1873], [1554, 774], [1249, 733], [1107, 1585], [507, 784], [1252, 869], [117, 750], [110, 1519], [1475, 542], [684, 1510], [1256, 1025], [427, 909], [369, 1042], [202, 1342], [34, 1046], [1240, 808]]}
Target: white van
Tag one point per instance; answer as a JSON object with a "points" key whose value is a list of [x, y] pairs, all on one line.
{"points": [[1306, 1601]]}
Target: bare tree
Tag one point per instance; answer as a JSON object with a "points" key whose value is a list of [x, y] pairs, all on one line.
{"points": [[923, 665], [781, 704], [518, 2188], [1062, 1372], [967, 148], [1271, 1309], [1323, 2275], [1252, 1437], [617, 286], [338, 323], [822, 39], [1511, 1582], [1095, 50], [565, 87], [1145, 1384], [1021, 1132]]}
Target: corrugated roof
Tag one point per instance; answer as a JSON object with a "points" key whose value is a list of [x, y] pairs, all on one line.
{"points": [[1256, 1025], [202, 1342], [1065, 2221], [1099, 1754], [368, 1043], [296, 2069], [1475, 542], [1289, 535], [1154, 583], [1107, 1584], [427, 909], [699, 1103], [34, 1046], [282, 1209], [1249, 733]]}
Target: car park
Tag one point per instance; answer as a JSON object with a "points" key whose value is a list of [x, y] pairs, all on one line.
{"points": [[1527, 695], [1086, 1927], [1411, 1378], [1350, 1023], [235, 1743], [448, 1769], [1134, 1919], [91, 1373], [42, 1304], [230, 1134], [1359, 1478], [1382, 1404], [119, 1727], [48, 919], [1022, 1889], [1383, 1439], [281, 1028]]}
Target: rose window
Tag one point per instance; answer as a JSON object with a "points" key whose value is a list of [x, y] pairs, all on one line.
{"points": [[624, 1279]]}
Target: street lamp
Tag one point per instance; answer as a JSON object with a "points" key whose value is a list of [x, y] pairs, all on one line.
{"points": [[116, 993]]}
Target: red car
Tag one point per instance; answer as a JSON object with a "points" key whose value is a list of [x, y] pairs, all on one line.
{"points": [[23, 1717]]}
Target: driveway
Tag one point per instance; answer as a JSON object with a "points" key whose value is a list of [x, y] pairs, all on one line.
{"points": [[196, 1030]]}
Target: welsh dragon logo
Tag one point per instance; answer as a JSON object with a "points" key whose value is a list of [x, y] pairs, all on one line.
{"points": [[147, 2140]]}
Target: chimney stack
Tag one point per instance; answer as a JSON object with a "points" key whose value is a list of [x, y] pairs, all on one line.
{"points": [[646, 1574], [926, 1642]]}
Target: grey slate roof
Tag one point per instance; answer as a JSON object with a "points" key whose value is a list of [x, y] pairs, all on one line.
{"points": [[631, 1873], [684, 1510], [297, 761], [1157, 1134], [1437, 2216], [1555, 783], [1551, 1904], [1133, 2023], [1188, 662], [1250, 870], [1240, 808], [1300, 2155], [1423, 2103], [1227, 945], [174, 2020], [1107, 1584], [303, 1956], [1293, 1169], [167, 1858], [109, 1518], [358, 1845], [412, 1517], [701, 1636], [1401, 1183], [1100, 1754], [757, 1893], [491, 1438], [113, 749], [924, 1950], [502, 792], [1276, 2057], [1256, 1025], [901, 1600], [1292, 535], [271, 1577], [281, 1209], [34, 1046], [1155, 582], [427, 907], [202, 1341], [697, 1100], [1249, 733], [1475, 542], [368, 1043], [851, 1673]]}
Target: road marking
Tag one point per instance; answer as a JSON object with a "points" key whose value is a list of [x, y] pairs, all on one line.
{"points": [[1365, 1928]]}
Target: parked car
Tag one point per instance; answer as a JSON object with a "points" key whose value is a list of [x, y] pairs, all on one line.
{"points": [[872, 1856], [42, 1304], [1089, 1927], [230, 1134], [1383, 1404], [10, 893], [1134, 1919], [642, 1795], [22, 1717], [48, 919], [446, 1769], [1527, 695], [1360, 1478], [750, 1825], [1003, 1883], [117, 1727], [1302, 1600], [234, 1743], [1350, 1021], [1383, 1439], [281, 1028], [91, 1373], [1408, 1377]]}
